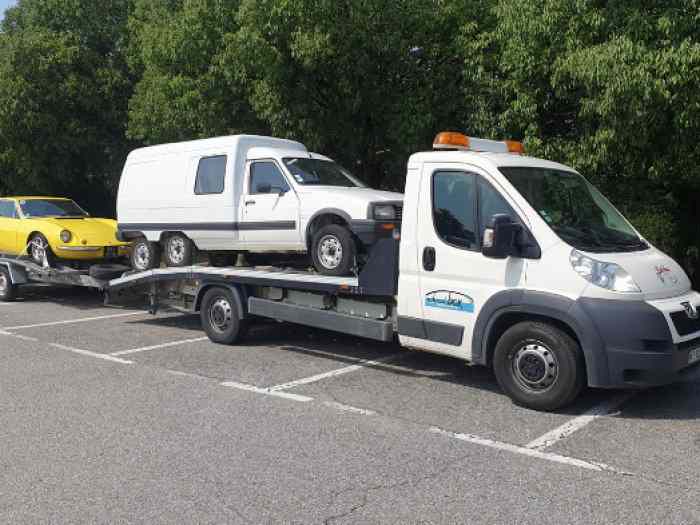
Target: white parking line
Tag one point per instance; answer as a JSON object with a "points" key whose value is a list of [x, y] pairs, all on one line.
{"points": [[547, 456], [105, 357], [577, 423], [361, 363], [266, 391], [385, 366], [349, 408], [71, 321], [158, 347]]}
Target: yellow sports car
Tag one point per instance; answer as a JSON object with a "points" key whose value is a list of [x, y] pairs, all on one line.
{"points": [[49, 228]]}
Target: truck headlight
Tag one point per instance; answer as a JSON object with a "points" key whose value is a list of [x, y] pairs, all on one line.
{"points": [[384, 212], [66, 236], [607, 275]]}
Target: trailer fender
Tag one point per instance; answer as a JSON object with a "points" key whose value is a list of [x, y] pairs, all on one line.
{"points": [[239, 292], [18, 275]]}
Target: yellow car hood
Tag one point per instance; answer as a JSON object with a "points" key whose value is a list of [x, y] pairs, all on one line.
{"points": [[89, 231]]}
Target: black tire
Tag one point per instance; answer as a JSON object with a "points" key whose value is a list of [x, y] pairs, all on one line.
{"points": [[38, 245], [222, 260], [333, 250], [178, 250], [106, 272], [220, 315], [145, 255], [8, 290], [539, 366]]}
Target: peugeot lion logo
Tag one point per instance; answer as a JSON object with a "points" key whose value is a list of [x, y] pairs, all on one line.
{"points": [[690, 309]]}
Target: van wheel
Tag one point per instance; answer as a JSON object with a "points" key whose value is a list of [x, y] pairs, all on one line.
{"points": [[39, 250], [220, 316], [178, 250], [539, 366], [333, 250], [145, 255], [7, 289]]}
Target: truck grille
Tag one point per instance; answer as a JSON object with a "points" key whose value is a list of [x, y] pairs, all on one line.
{"points": [[399, 212], [684, 324]]}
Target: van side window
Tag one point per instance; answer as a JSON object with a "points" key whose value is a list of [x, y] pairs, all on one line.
{"points": [[7, 210], [266, 177], [491, 202], [211, 174], [454, 208]]}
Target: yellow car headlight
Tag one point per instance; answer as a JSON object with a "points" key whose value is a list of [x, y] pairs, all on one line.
{"points": [[66, 236]]}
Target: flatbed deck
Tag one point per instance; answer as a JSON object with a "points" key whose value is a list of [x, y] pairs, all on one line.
{"points": [[260, 276]]}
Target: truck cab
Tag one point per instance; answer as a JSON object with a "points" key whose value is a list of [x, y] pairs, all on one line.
{"points": [[521, 264]]}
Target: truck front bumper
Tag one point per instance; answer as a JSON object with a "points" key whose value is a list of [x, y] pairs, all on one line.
{"points": [[635, 344]]}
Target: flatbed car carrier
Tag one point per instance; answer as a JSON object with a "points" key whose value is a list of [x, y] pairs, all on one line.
{"points": [[502, 260]]}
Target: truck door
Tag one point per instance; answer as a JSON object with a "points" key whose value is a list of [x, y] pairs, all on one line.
{"points": [[269, 209], [8, 227], [455, 279]]}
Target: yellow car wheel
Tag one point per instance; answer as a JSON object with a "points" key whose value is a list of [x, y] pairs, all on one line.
{"points": [[39, 250]]}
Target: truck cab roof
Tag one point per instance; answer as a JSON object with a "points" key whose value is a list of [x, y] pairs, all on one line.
{"points": [[482, 159]]}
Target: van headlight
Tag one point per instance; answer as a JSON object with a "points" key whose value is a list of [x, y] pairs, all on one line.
{"points": [[66, 236], [607, 275], [384, 212]]}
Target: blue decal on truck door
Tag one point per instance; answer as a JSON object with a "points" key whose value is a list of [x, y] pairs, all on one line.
{"points": [[448, 300]]}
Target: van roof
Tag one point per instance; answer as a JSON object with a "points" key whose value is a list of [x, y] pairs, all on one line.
{"points": [[223, 143]]}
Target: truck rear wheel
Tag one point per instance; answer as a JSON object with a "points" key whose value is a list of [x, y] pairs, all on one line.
{"points": [[178, 250], [333, 250], [539, 366], [221, 317], [145, 255], [7, 289]]}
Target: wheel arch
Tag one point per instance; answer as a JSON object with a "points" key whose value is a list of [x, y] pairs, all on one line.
{"points": [[510, 307], [25, 248], [322, 218], [239, 293]]}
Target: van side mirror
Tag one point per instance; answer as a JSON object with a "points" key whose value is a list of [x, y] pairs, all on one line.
{"points": [[499, 237], [263, 187]]}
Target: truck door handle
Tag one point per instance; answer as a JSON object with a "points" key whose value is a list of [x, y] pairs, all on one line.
{"points": [[428, 258], [248, 203]]}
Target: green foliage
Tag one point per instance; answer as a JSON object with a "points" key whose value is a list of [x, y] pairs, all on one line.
{"points": [[610, 88], [64, 88]]}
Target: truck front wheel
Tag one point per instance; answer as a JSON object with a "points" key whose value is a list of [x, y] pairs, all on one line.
{"points": [[220, 316], [539, 365]]}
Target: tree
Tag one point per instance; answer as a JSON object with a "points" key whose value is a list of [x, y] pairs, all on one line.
{"points": [[607, 87], [64, 88]]}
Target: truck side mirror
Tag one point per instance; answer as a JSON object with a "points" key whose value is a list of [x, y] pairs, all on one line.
{"points": [[263, 187], [499, 237]]}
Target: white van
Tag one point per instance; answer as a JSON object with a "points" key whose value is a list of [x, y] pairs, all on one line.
{"points": [[248, 193]]}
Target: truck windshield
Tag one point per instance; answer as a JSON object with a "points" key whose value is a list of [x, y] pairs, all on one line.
{"points": [[577, 212], [319, 172], [50, 208]]}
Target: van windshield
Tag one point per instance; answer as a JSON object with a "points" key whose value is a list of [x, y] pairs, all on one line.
{"points": [[51, 208], [319, 172], [577, 212]]}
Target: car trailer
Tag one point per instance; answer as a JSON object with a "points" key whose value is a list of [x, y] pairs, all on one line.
{"points": [[18, 271]]}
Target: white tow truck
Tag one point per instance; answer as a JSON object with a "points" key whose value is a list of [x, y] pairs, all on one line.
{"points": [[501, 260]]}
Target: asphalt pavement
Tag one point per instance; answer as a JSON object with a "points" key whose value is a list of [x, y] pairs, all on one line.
{"points": [[110, 415]]}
